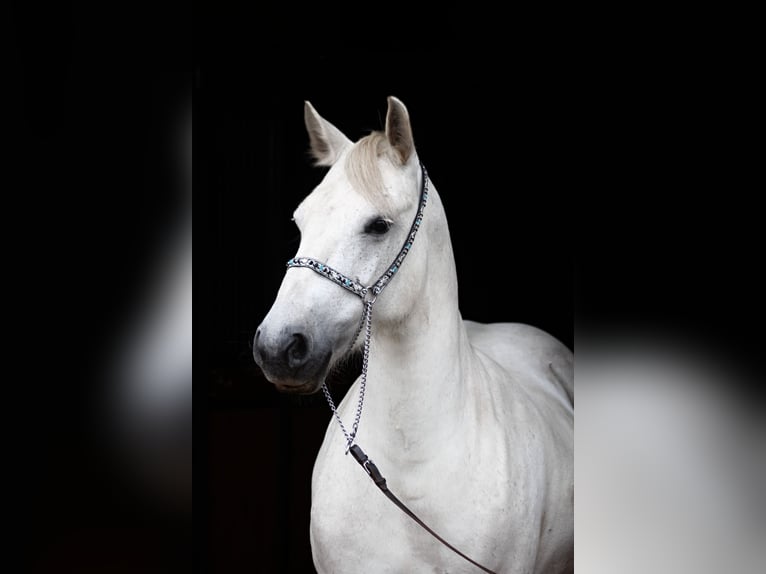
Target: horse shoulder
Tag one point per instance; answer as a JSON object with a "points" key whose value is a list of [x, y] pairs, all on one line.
{"points": [[529, 355], [526, 378]]}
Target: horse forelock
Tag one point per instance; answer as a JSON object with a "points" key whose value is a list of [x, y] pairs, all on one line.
{"points": [[363, 170]]}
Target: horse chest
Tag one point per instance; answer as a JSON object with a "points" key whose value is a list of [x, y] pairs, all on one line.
{"points": [[355, 528]]}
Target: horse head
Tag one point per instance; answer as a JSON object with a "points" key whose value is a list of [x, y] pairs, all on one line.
{"points": [[356, 221]]}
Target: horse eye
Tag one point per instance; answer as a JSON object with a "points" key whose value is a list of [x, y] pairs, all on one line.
{"points": [[378, 226]]}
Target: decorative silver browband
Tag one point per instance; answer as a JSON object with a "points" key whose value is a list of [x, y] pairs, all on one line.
{"points": [[354, 285]]}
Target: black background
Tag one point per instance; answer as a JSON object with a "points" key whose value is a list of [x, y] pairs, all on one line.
{"points": [[623, 143], [549, 143], [91, 189], [496, 136]]}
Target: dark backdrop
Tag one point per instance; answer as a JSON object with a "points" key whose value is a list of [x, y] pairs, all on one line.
{"points": [[633, 132], [551, 127], [98, 92], [499, 151]]}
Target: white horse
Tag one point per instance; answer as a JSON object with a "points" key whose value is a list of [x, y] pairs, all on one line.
{"points": [[471, 424]]}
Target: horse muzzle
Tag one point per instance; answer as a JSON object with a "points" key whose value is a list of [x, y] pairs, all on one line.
{"points": [[292, 360]]}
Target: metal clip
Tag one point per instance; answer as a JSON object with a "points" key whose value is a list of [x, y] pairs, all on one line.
{"points": [[369, 467], [369, 295]]}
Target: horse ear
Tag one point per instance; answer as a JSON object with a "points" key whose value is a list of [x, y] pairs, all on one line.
{"points": [[327, 141], [398, 129]]}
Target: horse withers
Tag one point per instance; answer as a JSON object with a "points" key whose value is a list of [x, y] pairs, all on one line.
{"points": [[472, 424]]}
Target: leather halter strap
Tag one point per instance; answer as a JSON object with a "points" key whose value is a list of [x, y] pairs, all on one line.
{"points": [[380, 482]]}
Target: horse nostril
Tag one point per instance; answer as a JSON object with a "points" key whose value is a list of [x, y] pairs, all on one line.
{"points": [[256, 347], [297, 350]]}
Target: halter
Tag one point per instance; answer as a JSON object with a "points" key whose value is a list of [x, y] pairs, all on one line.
{"points": [[368, 295]]}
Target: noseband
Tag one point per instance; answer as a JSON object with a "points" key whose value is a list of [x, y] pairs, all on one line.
{"points": [[368, 295]]}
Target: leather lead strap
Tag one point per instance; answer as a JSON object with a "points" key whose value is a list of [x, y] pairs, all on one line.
{"points": [[373, 472]]}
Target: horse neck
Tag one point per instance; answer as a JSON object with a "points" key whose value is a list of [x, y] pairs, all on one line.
{"points": [[414, 395]]}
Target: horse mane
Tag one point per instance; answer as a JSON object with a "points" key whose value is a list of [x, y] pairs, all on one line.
{"points": [[364, 171]]}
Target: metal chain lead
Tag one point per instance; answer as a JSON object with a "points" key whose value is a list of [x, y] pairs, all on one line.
{"points": [[356, 335], [365, 361], [367, 323]]}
